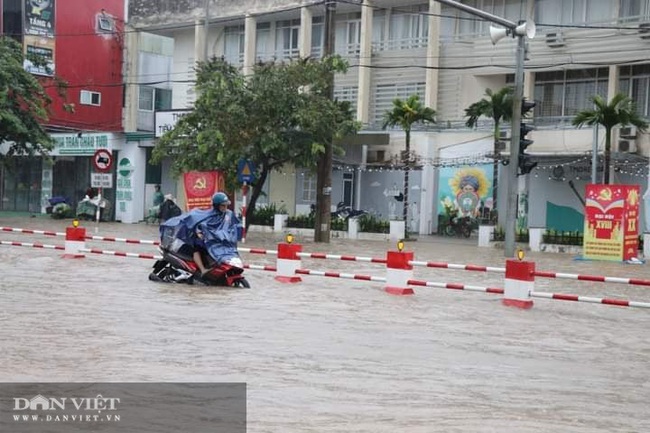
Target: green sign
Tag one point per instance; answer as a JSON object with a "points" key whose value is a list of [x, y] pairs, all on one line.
{"points": [[84, 145], [125, 168]]}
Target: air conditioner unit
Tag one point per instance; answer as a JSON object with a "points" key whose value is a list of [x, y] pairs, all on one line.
{"points": [[644, 30], [504, 134], [555, 39], [627, 132], [626, 146]]}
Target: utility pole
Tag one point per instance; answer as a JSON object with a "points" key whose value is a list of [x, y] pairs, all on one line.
{"points": [[323, 216]]}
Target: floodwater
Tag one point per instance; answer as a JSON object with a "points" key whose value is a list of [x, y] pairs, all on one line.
{"points": [[336, 355]]}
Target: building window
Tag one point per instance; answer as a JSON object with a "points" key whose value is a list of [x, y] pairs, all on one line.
{"points": [[152, 99], [145, 98], [87, 97], [317, 36], [565, 93], [385, 94], [409, 30], [263, 50], [348, 94], [572, 11], [309, 187], [105, 23], [286, 39], [634, 10], [234, 45], [635, 82], [348, 36]]}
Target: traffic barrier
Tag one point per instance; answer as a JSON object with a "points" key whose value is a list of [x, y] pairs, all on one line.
{"points": [[399, 271], [288, 261], [33, 245], [75, 241], [121, 254], [520, 283]]}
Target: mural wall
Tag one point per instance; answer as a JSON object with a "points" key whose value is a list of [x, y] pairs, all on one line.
{"points": [[465, 191]]}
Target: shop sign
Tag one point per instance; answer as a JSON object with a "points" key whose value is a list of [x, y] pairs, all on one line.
{"points": [[86, 144], [124, 191], [166, 120]]}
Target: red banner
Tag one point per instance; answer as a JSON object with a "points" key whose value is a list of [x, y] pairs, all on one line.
{"points": [[611, 222], [200, 186]]}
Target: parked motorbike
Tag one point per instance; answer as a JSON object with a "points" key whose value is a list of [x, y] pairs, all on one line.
{"points": [[459, 227], [179, 267], [346, 212]]}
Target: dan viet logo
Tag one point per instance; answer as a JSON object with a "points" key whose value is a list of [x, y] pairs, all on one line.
{"points": [[58, 409]]}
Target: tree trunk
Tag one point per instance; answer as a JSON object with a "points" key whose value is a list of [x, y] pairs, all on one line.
{"points": [[256, 192], [407, 163], [608, 155]]}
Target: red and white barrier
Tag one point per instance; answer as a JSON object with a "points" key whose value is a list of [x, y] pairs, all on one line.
{"points": [[519, 284], [28, 231], [128, 241], [121, 254], [75, 241], [33, 245], [398, 272], [288, 262]]}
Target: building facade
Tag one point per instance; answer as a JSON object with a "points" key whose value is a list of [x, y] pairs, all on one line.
{"points": [[399, 48], [83, 43]]}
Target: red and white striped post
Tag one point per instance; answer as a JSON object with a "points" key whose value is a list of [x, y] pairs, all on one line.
{"points": [[288, 261], [399, 271], [75, 241], [520, 283]]}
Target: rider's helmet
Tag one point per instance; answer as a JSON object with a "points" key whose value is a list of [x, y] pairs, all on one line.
{"points": [[218, 199]]}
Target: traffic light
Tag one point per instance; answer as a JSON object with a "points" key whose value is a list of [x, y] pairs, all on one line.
{"points": [[526, 164]]}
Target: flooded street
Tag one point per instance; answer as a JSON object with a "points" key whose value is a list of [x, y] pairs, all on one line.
{"points": [[336, 355]]}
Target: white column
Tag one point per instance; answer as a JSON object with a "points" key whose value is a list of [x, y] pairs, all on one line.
{"points": [[199, 40], [365, 60], [305, 31], [250, 37], [427, 189], [433, 56], [129, 193]]}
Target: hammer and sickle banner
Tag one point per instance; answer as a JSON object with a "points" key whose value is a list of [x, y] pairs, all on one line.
{"points": [[611, 222], [200, 186]]}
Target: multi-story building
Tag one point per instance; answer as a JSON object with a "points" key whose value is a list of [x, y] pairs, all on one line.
{"points": [[399, 48], [83, 43]]}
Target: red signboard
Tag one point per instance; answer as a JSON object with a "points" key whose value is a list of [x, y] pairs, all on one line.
{"points": [[200, 186], [611, 222]]}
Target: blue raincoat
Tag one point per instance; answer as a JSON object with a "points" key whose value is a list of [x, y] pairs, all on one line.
{"points": [[220, 232]]}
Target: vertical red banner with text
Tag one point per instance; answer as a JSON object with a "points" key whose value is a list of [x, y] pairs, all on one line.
{"points": [[200, 186], [631, 241], [611, 222]]}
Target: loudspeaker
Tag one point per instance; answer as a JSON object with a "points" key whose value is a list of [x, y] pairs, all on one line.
{"points": [[528, 28], [497, 33]]}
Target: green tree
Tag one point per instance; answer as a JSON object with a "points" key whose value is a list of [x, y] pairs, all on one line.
{"points": [[620, 111], [23, 105], [405, 114], [280, 114], [497, 106]]}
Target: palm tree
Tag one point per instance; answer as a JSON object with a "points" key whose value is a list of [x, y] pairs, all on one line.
{"points": [[620, 111], [498, 107], [404, 114]]}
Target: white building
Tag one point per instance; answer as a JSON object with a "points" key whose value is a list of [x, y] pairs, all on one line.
{"points": [[398, 48]]}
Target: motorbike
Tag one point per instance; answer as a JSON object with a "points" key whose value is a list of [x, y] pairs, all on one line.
{"points": [[459, 226], [344, 211], [177, 264], [179, 267]]}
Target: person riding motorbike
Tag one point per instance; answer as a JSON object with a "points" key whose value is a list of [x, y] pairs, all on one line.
{"points": [[217, 233]]}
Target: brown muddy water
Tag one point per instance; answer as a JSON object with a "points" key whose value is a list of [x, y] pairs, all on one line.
{"points": [[336, 355]]}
